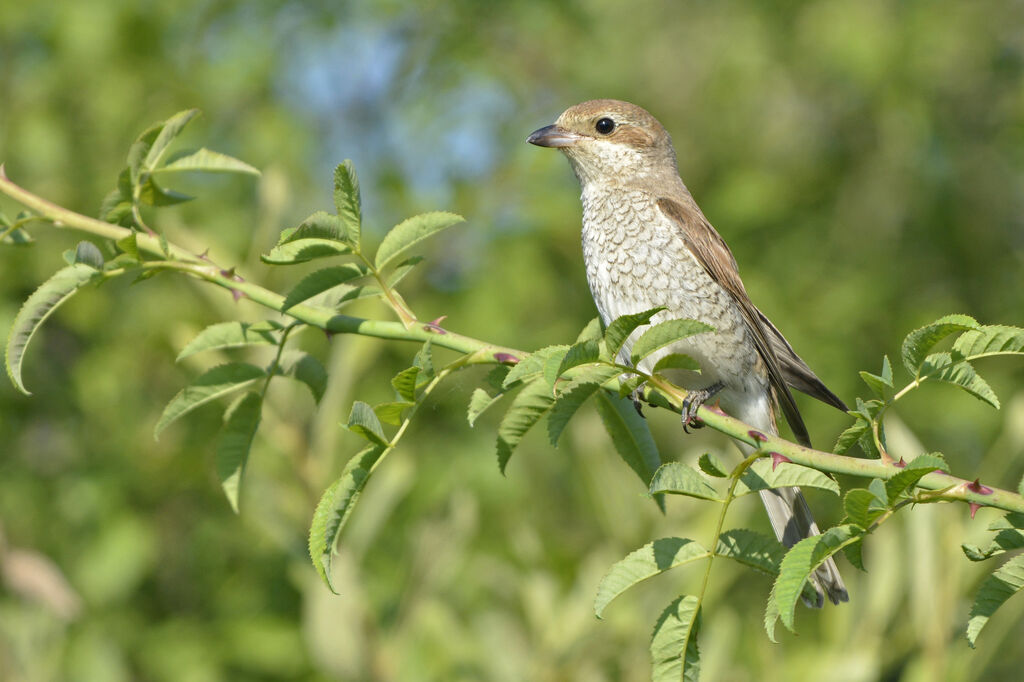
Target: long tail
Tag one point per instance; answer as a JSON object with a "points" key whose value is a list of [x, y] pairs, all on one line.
{"points": [[792, 521]]}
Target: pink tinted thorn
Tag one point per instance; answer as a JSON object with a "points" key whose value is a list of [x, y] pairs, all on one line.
{"points": [[978, 488], [205, 255], [778, 459], [974, 508], [329, 334], [237, 295], [757, 435], [435, 325], [902, 464], [506, 358], [716, 409]]}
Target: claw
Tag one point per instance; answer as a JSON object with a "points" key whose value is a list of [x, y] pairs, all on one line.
{"points": [[692, 403], [638, 404]]}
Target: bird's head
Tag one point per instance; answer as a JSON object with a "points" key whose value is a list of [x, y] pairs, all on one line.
{"points": [[610, 141]]}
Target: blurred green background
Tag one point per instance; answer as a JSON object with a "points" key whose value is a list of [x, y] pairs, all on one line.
{"points": [[864, 160]]}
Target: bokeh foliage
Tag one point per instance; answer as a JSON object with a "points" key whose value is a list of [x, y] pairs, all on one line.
{"points": [[864, 160]]}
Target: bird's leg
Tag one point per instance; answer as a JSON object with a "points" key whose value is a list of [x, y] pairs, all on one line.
{"points": [[636, 397], [692, 403]]}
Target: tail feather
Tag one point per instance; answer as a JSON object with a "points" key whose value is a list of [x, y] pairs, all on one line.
{"points": [[792, 521]]}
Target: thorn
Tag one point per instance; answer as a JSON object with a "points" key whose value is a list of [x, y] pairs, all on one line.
{"points": [[205, 255], [230, 274], [757, 435], [237, 295], [506, 358], [778, 459], [329, 334], [978, 488], [435, 325], [902, 464], [974, 508]]}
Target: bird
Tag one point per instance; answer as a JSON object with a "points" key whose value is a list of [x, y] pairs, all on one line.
{"points": [[647, 244]]}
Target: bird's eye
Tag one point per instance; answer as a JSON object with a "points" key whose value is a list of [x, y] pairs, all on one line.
{"points": [[605, 126]]}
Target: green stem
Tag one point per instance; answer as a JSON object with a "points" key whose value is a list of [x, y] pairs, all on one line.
{"points": [[713, 549], [480, 352]]}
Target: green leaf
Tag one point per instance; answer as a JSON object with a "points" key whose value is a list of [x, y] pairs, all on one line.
{"points": [[391, 413], [347, 200], [39, 306], [168, 130], [712, 466], [335, 508], [665, 334], [990, 340], [1005, 540], [479, 402], [919, 342], [231, 335], [591, 332], [305, 369], [206, 161], [650, 560], [18, 237], [320, 225], [877, 488], [886, 376], [1008, 520], [760, 476], [849, 437], [405, 383], [344, 294], [802, 560], [532, 365], [676, 361], [240, 423], [566, 405], [632, 383], [952, 370], [855, 555], [410, 232], [304, 250], [631, 436], [551, 365], [403, 269], [875, 383], [215, 383], [862, 507], [529, 405], [320, 281], [152, 194], [996, 589], [771, 617], [750, 548], [89, 254], [620, 329], [363, 420], [129, 245], [674, 652], [591, 374], [676, 478], [424, 359], [915, 470], [117, 205], [582, 353]]}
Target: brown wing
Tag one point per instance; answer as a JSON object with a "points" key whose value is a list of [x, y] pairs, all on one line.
{"points": [[796, 372], [713, 253]]}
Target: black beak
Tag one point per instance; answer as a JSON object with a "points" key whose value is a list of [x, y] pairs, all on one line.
{"points": [[553, 136]]}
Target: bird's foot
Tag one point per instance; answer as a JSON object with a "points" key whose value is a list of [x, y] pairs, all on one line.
{"points": [[692, 403], [637, 397]]}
